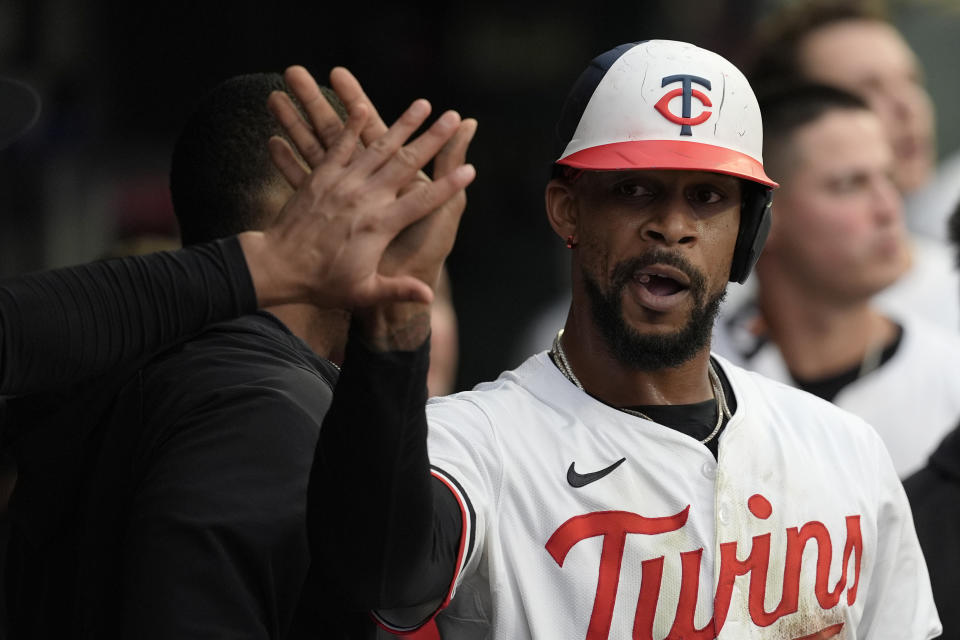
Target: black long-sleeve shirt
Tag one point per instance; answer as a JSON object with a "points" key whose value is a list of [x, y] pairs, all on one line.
{"points": [[61, 326], [178, 511], [934, 494]]}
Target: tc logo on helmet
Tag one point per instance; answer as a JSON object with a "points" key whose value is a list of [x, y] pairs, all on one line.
{"points": [[684, 120]]}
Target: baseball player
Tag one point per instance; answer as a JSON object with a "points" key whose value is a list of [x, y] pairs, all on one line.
{"points": [[838, 239], [625, 484], [850, 45]]}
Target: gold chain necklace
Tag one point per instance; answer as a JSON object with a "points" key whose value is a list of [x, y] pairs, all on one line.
{"points": [[723, 411]]}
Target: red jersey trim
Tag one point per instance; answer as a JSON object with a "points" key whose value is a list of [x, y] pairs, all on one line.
{"points": [[427, 629]]}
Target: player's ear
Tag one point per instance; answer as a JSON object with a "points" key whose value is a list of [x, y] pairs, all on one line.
{"points": [[562, 210]]}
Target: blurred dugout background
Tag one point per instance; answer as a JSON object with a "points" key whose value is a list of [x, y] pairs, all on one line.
{"points": [[118, 79]]}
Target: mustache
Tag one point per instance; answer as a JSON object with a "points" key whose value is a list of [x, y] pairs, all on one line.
{"points": [[627, 270]]}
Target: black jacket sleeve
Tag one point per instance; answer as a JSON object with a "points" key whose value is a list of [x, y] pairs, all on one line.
{"points": [[375, 514], [65, 325]]}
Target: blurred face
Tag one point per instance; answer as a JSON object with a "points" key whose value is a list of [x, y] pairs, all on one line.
{"points": [[871, 59], [837, 224], [444, 343], [654, 258]]}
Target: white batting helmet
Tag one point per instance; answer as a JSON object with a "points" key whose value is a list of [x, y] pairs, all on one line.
{"points": [[662, 104]]}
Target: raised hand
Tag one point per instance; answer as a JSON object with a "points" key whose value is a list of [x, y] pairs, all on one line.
{"points": [[327, 244], [420, 249]]}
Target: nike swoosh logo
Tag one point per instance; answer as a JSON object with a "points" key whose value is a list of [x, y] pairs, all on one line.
{"points": [[578, 480]]}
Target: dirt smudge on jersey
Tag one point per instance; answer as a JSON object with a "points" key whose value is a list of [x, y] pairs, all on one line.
{"points": [[807, 629]]}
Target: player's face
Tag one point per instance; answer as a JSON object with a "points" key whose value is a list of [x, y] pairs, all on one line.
{"points": [[654, 255], [838, 224], [871, 59]]}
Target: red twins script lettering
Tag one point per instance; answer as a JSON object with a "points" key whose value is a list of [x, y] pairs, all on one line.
{"points": [[615, 526]]}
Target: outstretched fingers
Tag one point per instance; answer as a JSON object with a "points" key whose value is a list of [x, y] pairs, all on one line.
{"points": [[454, 152], [287, 162], [421, 202], [389, 147], [407, 161], [348, 88], [345, 143], [296, 128], [323, 118], [329, 172]]}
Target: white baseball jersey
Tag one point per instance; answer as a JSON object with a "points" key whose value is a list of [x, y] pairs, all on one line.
{"points": [[585, 522], [912, 400], [930, 288]]}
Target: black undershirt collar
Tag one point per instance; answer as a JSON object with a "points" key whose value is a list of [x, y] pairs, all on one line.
{"points": [[829, 386], [696, 420]]}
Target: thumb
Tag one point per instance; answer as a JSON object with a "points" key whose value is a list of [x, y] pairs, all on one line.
{"points": [[388, 289]]}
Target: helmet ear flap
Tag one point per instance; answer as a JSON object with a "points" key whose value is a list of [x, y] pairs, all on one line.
{"points": [[755, 218]]}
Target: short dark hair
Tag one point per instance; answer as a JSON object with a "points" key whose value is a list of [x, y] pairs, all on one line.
{"points": [[776, 60], [787, 108], [221, 167]]}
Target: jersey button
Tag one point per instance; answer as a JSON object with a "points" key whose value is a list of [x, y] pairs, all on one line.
{"points": [[723, 513], [709, 470]]}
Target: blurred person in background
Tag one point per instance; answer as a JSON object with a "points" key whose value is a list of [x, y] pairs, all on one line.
{"points": [[180, 508], [837, 239], [851, 45], [934, 494]]}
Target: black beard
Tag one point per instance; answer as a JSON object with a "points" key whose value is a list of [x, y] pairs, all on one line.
{"points": [[651, 352]]}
